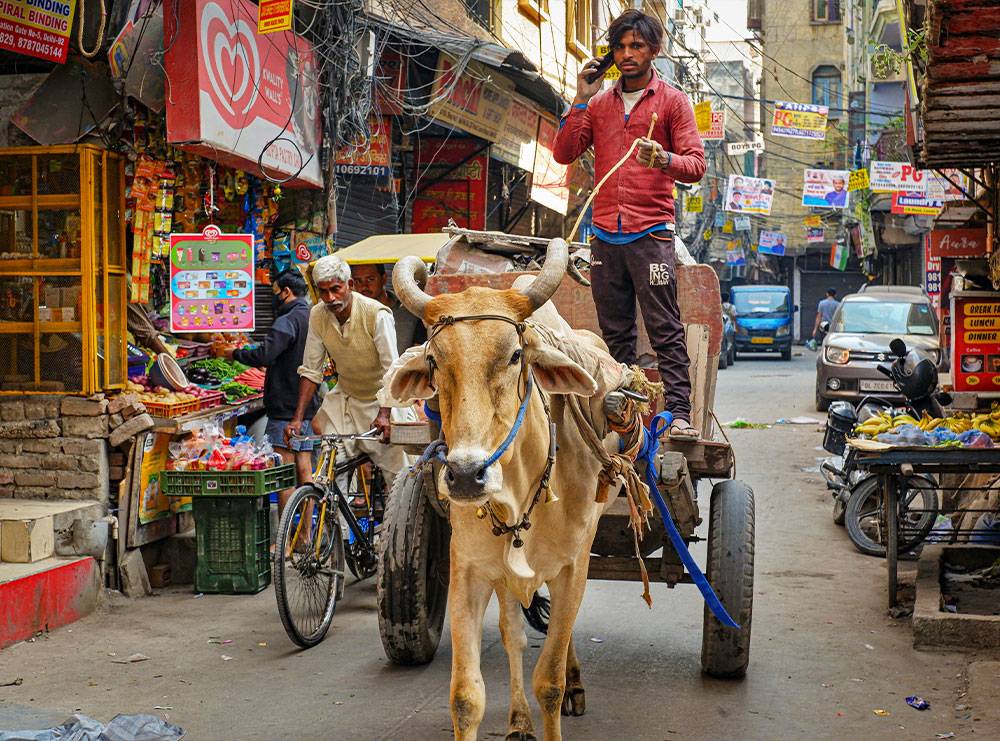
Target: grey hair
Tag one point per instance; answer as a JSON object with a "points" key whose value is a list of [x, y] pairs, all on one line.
{"points": [[329, 268]]}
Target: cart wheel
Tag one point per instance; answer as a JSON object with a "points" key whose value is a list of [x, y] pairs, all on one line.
{"points": [[725, 652], [412, 578]]}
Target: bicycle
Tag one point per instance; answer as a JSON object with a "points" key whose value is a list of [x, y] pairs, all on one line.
{"points": [[310, 552]]}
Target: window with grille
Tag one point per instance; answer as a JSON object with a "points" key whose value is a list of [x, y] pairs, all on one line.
{"points": [[826, 11], [578, 27], [826, 86]]}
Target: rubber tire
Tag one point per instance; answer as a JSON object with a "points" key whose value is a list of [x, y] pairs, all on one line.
{"points": [[786, 354], [822, 405], [723, 360], [278, 580], [839, 509], [725, 652], [861, 541], [732, 354], [411, 607]]}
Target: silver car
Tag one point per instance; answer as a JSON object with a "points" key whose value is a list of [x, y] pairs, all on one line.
{"points": [[858, 337]]}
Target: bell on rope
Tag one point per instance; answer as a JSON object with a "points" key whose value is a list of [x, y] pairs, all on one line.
{"points": [[517, 541], [550, 496], [527, 524], [497, 531], [481, 513]]}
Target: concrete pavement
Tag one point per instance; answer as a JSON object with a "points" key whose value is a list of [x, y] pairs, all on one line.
{"points": [[824, 655]]}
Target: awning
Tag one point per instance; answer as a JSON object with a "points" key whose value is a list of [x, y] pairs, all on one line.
{"points": [[390, 248], [959, 92], [511, 62]]}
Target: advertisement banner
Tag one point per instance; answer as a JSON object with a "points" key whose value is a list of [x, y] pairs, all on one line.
{"points": [[694, 205], [549, 185], [771, 243], [373, 157], [757, 145], [947, 184], [735, 256], [916, 204], [825, 188], [241, 98], [462, 195], [37, 29], [957, 243], [274, 15], [516, 143], [153, 503], [467, 101], [742, 223], [859, 180], [746, 195], [814, 220], [703, 116], [888, 177], [815, 234], [975, 342], [211, 282], [717, 127], [799, 120]]}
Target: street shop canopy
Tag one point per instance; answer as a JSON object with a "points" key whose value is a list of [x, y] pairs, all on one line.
{"points": [[391, 248], [962, 84]]}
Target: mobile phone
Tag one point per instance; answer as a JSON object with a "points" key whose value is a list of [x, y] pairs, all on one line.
{"points": [[606, 61]]}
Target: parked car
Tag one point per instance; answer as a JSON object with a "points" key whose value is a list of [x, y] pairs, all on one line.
{"points": [[727, 354], [764, 319], [858, 337]]}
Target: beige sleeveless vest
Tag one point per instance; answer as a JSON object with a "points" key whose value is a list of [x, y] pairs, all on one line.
{"points": [[359, 371]]}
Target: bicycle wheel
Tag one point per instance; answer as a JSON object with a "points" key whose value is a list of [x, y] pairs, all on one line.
{"points": [[367, 499], [308, 565], [864, 515]]}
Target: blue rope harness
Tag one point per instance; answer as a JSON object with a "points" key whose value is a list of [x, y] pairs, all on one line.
{"points": [[650, 447]]}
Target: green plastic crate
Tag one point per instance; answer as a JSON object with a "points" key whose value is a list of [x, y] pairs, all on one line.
{"points": [[228, 483], [234, 538]]}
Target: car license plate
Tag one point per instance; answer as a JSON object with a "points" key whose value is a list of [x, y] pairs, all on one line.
{"points": [[877, 386], [761, 340]]}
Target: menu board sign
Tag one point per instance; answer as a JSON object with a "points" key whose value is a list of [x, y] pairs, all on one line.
{"points": [[211, 282], [975, 342]]}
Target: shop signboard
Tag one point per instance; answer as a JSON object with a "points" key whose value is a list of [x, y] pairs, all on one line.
{"points": [[957, 243], [771, 243], [888, 177], [515, 144], [799, 120], [470, 99], [746, 195], [240, 98], [825, 188], [373, 157], [456, 170], [37, 29], [211, 282], [274, 15], [757, 145], [915, 204], [549, 185], [975, 341]]}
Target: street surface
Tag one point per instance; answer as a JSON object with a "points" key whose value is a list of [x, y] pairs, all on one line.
{"points": [[824, 655]]}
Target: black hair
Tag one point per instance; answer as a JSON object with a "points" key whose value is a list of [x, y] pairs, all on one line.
{"points": [[293, 280], [645, 25], [379, 267], [831, 291]]}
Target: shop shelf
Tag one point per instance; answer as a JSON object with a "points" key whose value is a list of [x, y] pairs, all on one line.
{"points": [[233, 537], [228, 483], [166, 410]]}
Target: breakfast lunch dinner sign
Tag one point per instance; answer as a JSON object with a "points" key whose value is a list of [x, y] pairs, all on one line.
{"points": [[256, 94]]}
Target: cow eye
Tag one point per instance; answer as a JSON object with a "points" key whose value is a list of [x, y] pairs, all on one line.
{"points": [[516, 357]]}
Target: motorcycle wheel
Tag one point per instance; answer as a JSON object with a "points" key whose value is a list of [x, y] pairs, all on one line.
{"points": [[864, 521]]}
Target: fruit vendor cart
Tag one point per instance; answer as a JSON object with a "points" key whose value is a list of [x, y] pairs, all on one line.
{"points": [[413, 570]]}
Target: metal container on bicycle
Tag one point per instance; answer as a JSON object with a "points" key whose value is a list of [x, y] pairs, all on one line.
{"points": [[840, 422]]}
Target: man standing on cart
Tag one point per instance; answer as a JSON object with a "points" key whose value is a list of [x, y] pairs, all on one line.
{"points": [[358, 334], [632, 254]]}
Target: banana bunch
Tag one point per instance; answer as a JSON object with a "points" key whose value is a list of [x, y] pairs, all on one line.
{"points": [[883, 422], [988, 423], [958, 423]]}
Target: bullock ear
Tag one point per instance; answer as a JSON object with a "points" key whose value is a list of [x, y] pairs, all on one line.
{"points": [[557, 374], [409, 378]]}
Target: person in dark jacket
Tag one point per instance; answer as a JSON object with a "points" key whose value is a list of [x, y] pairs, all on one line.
{"points": [[281, 355]]}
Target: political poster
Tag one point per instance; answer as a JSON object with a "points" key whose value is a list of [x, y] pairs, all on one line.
{"points": [[736, 257], [746, 195], [720, 220], [825, 188], [799, 120], [915, 204], [771, 243], [694, 205], [815, 234], [889, 177], [947, 184]]}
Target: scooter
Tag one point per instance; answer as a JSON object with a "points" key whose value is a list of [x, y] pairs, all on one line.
{"points": [[857, 500]]}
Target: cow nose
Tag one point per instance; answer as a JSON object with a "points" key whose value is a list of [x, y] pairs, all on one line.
{"points": [[465, 478]]}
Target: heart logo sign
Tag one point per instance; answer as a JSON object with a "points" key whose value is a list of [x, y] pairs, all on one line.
{"points": [[232, 62]]}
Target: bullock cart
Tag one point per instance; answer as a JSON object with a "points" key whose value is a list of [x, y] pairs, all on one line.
{"points": [[413, 570]]}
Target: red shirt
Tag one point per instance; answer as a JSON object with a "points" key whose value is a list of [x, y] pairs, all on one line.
{"points": [[641, 196]]}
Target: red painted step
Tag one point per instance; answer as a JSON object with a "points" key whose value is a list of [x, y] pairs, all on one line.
{"points": [[45, 595]]}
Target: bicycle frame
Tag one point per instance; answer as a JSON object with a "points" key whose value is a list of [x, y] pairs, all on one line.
{"points": [[325, 477]]}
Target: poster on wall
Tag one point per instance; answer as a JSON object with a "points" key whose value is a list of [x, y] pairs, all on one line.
{"points": [[825, 188], [373, 157], [461, 194], [975, 342], [37, 29], [746, 195], [716, 130], [815, 234], [211, 282], [771, 243], [799, 120], [888, 177], [239, 97]]}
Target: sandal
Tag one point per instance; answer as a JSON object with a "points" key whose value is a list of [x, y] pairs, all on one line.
{"points": [[681, 429]]}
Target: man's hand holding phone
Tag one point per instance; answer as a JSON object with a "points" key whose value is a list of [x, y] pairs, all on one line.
{"points": [[590, 79]]}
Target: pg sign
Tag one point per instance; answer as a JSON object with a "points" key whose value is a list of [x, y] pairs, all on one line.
{"points": [[239, 96], [891, 177]]}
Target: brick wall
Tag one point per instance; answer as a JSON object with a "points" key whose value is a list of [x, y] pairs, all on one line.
{"points": [[54, 447]]}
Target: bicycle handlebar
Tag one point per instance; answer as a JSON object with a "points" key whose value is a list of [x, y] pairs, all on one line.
{"points": [[372, 434]]}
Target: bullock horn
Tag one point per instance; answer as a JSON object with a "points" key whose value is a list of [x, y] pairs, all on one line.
{"points": [[408, 280], [548, 280]]}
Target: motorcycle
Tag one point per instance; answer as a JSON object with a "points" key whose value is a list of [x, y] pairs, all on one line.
{"points": [[857, 499]]}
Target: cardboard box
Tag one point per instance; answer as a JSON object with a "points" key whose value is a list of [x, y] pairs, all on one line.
{"points": [[27, 541]]}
